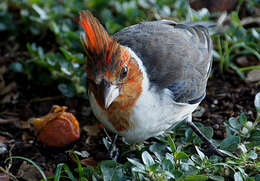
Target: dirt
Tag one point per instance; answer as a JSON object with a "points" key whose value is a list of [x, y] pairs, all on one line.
{"points": [[227, 96]]}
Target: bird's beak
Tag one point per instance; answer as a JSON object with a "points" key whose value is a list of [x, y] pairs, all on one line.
{"points": [[108, 92]]}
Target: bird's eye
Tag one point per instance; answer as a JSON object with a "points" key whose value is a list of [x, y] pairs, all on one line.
{"points": [[123, 73]]}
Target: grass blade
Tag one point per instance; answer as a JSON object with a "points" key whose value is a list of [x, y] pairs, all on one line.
{"points": [[221, 63], [69, 173], [31, 162], [80, 169], [58, 171], [249, 68], [238, 71]]}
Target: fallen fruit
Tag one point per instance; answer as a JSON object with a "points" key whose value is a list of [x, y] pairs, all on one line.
{"points": [[58, 128]]}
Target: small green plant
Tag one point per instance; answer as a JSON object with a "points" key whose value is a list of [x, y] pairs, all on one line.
{"points": [[168, 160], [236, 41]]}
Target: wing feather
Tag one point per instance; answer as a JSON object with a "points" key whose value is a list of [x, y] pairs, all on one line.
{"points": [[176, 56]]}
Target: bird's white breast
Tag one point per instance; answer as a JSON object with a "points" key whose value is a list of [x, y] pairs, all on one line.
{"points": [[154, 113]]}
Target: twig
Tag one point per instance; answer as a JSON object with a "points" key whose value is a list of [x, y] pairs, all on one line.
{"points": [[6, 170], [9, 174], [6, 121], [4, 133], [46, 99], [250, 20]]}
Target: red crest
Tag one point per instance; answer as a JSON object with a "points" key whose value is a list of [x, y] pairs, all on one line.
{"points": [[97, 43]]}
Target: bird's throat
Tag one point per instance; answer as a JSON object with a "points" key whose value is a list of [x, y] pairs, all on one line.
{"points": [[121, 108]]}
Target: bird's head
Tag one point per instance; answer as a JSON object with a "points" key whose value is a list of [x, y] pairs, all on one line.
{"points": [[113, 74]]}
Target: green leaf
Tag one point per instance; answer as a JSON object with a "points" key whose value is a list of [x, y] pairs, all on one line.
{"points": [[169, 174], [40, 53], [228, 154], [238, 177], [167, 165], [234, 123], [154, 167], [68, 172], [196, 178], [255, 136], [88, 172], [158, 149], [138, 170], [255, 33], [110, 170], [80, 168], [40, 11], [147, 159], [196, 158], [67, 90], [216, 178], [172, 145], [202, 156], [170, 157], [238, 71], [58, 171], [235, 19], [230, 143], [257, 177], [16, 67], [243, 148], [136, 163], [65, 70], [55, 28], [252, 155], [242, 119], [31, 48], [208, 131], [250, 179], [181, 155], [66, 53]]}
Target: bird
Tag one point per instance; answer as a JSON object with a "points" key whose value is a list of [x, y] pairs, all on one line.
{"points": [[147, 77]]}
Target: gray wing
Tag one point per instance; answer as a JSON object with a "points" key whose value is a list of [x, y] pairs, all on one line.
{"points": [[177, 56]]}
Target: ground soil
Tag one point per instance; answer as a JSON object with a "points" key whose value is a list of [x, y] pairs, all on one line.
{"points": [[227, 96]]}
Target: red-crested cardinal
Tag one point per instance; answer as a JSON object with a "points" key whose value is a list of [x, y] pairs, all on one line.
{"points": [[148, 76]]}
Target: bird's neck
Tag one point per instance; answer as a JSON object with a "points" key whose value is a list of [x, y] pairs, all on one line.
{"points": [[121, 108]]}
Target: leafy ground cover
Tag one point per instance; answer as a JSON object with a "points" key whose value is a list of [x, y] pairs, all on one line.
{"points": [[42, 63]]}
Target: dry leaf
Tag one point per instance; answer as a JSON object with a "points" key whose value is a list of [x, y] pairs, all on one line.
{"points": [[8, 120], [4, 178], [89, 162], [28, 172], [3, 139], [92, 130]]}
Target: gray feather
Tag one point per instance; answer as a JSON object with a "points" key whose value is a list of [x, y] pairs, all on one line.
{"points": [[176, 56]]}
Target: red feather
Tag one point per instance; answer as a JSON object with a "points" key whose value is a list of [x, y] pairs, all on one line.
{"points": [[97, 41]]}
